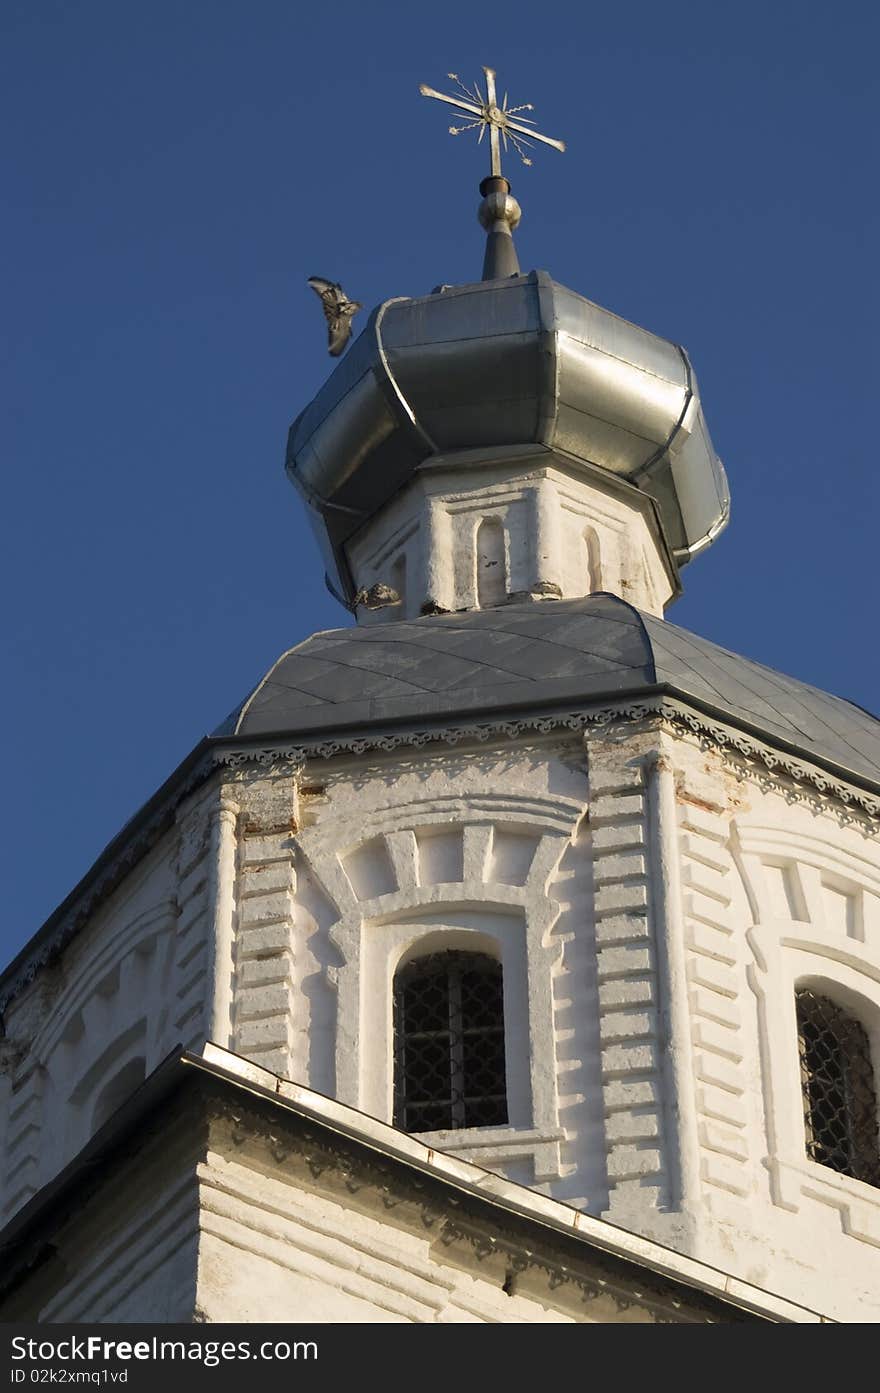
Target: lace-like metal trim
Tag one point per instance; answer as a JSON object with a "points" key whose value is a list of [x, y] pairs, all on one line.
{"points": [[748, 756]]}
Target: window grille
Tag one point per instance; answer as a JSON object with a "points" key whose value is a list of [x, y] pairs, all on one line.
{"points": [[837, 1080], [449, 1068]]}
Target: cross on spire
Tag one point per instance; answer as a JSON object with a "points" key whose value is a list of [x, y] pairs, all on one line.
{"points": [[502, 122]]}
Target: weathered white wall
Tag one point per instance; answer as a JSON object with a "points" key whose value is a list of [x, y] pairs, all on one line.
{"points": [[226, 1211], [652, 1065], [103, 1008], [781, 886], [274, 1250], [461, 851], [296, 1225], [133, 1262], [133, 984], [517, 528], [653, 900], [126, 1250]]}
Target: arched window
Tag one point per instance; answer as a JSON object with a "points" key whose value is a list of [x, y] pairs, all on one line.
{"points": [[491, 567], [837, 1081], [449, 1068]]}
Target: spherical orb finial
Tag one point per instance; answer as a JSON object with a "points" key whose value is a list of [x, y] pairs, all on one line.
{"points": [[499, 208], [499, 214]]}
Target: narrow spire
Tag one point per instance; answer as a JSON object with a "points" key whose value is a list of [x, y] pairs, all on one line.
{"points": [[499, 213]]}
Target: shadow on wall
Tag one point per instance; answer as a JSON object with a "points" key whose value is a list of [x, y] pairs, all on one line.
{"points": [[117, 1089]]}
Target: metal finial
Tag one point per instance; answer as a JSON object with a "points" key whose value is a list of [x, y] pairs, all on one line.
{"points": [[502, 121]]}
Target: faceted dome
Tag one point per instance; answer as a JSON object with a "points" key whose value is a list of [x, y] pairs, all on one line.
{"points": [[520, 361]]}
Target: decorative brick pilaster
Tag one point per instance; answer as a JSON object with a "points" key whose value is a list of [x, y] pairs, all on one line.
{"points": [[192, 946], [714, 988], [265, 889], [24, 1111], [628, 978]]}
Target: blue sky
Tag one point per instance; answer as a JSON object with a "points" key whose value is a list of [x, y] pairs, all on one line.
{"points": [[172, 175]]}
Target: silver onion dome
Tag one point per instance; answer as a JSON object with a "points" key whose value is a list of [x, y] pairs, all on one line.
{"points": [[509, 362]]}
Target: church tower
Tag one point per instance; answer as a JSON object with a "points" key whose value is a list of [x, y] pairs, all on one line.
{"points": [[525, 882]]}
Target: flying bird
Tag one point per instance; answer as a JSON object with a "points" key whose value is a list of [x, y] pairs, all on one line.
{"points": [[338, 310]]}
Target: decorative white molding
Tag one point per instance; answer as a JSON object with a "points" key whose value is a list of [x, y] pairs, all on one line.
{"points": [[786, 953], [111, 1014], [630, 1036], [98, 973], [495, 1145], [23, 1138], [193, 920], [715, 981], [824, 883], [373, 934], [116, 1278], [749, 758], [260, 914], [681, 1124], [797, 779]]}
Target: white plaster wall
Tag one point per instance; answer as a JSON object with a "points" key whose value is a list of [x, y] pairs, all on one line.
{"points": [[261, 1229], [137, 1264], [778, 888], [566, 533], [410, 855], [274, 1250], [129, 1254], [653, 903], [652, 1098], [102, 1006], [615, 888], [134, 983]]}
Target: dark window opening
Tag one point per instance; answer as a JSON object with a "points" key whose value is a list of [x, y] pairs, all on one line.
{"points": [[837, 1080], [449, 1067], [491, 568]]}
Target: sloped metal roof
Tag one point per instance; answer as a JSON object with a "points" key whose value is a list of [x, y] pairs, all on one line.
{"points": [[516, 660], [532, 655]]}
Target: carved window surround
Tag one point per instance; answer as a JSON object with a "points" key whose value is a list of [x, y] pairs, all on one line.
{"points": [[513, 922], [495, 918], [496, 1145], [98, 972], [748, 756], [788, 952]]}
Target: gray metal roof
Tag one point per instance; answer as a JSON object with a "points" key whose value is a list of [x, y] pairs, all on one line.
{"points": [[486, 662], [516, 660]]}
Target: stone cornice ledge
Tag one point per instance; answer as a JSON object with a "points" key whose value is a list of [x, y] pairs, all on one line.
{"points": [[493, 1189], [749, 754], [775, 762]]}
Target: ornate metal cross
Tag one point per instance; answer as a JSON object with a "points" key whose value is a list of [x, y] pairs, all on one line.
{"points": [[484, 112]]}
